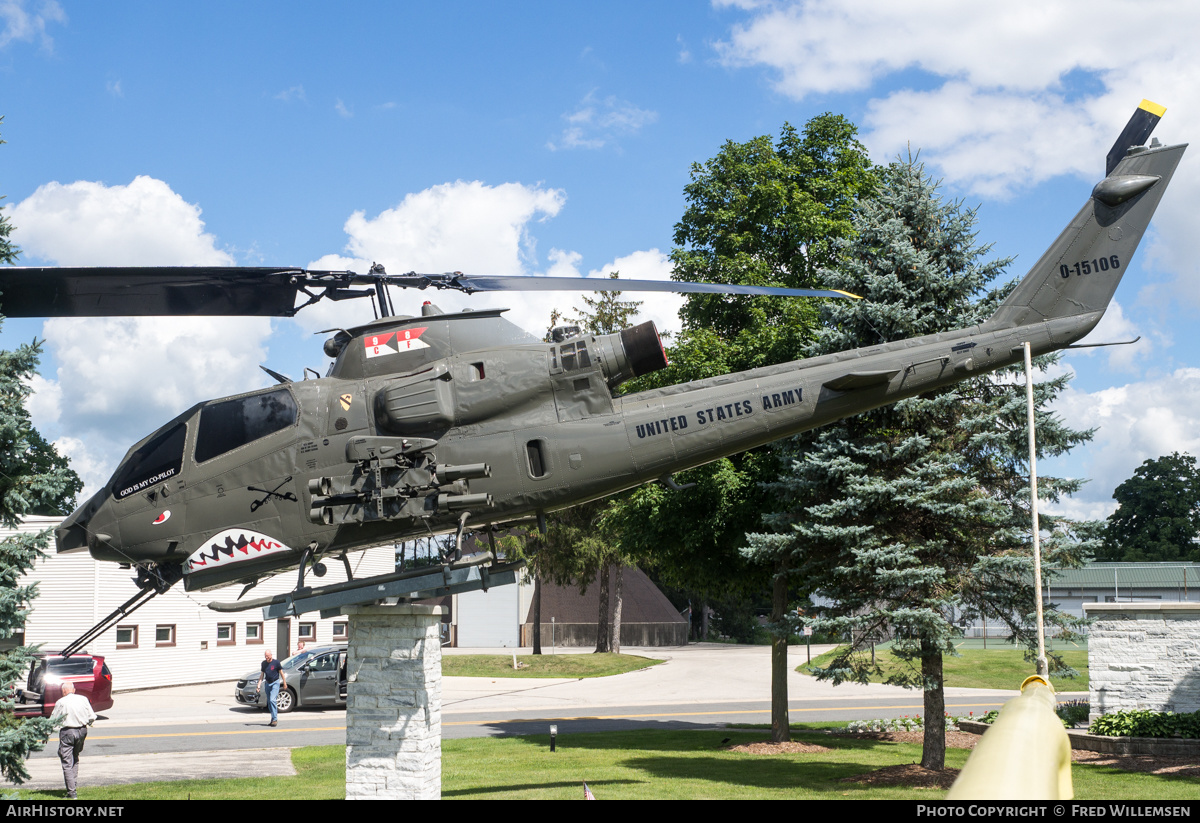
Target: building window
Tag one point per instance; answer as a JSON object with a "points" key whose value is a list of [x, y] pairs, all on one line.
{"points": [[341, 631], [126, 637], [164, 635], [226, 634], [308, 632], [254, 635]]}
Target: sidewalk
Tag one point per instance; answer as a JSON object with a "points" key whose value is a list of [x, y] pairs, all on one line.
{"points": [[101, 770]]}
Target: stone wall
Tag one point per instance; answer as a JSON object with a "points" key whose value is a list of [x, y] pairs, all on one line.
{"points": [[394, 703], [1144, 656]]}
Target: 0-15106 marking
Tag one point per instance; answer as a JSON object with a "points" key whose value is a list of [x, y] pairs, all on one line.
{"points": [[1089, 266]]}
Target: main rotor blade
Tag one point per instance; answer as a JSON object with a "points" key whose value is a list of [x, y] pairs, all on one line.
{"points": [[487, 282], [146, 291], [262, 291]]}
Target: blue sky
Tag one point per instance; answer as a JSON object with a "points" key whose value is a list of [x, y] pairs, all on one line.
{"points": [[553, 138]]}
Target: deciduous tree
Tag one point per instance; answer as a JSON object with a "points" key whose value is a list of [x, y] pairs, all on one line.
{"points": [[1158, 513], [764, 212]]}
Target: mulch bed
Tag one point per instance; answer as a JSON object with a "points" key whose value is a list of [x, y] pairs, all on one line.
{"points": [[918, 776], [912, 775], [791, 747]]}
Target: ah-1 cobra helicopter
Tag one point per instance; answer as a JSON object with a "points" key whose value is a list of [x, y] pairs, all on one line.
{"points": [[443, 422]]}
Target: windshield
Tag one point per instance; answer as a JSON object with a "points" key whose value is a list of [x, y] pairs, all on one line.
{"points": [[297, 659]]}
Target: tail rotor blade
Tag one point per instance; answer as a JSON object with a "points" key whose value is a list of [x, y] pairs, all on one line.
{"points": [[1136, 132]]}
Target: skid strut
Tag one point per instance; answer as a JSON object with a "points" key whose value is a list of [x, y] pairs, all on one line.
{"points": [[151, 583]]}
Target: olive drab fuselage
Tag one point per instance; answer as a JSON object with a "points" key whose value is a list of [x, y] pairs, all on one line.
{"points": [[442, 421]]}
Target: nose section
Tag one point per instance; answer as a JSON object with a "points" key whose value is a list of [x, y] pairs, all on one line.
{"points": [[71, 535], [90, 527]]}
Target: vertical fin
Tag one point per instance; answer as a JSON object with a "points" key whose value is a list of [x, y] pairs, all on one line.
{"points": [[1078, 274]]}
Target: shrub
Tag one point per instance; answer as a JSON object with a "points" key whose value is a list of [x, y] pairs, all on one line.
{"points": [[1146, 723], [1073, 712], [915, 723]]}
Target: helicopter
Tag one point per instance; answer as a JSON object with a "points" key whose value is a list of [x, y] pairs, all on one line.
{"points": [[442, 423]]}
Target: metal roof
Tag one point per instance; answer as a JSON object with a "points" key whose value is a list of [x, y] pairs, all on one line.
{"points": [[1143, 575]]}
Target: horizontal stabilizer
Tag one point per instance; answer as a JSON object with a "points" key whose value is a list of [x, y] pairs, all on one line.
{"points": [[861, 379]]}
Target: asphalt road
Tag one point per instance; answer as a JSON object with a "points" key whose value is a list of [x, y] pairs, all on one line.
{"points": [[201, 731]]}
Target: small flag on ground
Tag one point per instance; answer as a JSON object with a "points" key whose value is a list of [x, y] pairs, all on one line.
{"points": [[587, 793]]}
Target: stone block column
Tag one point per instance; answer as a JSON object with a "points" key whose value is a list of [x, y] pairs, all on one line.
{"points": [[1144, 656], [394, 703]]}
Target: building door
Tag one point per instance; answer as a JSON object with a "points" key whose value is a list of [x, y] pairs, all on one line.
{"points": [[283, 639]]}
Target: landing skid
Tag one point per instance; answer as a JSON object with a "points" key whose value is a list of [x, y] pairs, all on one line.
{"points": [[476, 572]]}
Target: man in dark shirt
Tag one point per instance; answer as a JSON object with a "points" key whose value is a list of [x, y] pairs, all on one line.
{"points": [[272, 675]]}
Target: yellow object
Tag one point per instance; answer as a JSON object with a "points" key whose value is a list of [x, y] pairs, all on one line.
{"points": [[1025, 755], [1153, 108]]}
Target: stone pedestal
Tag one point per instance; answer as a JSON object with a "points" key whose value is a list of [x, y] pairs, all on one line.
{"points": [[394, 703], [1144, 656]]}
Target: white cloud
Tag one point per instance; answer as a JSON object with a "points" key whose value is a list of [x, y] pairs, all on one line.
{"points": [[93, 468], [829, 46], [45, 403], [113, 87], [292, 93], [685, 54], [124, 376], [1116, 327], [1001, 97], [663, 309], [596, 122], [119, 378], [27, 21], [461, 226], [89, 224], [1014, 92], [1135, 422], [342, 110], [477, 229]]}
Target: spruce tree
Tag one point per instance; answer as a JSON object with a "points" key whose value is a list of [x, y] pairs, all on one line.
{"points": [[904, 518], [34, 478]]}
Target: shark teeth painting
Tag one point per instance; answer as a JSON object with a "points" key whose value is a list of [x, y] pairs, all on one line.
{"points": [[232, 546]]}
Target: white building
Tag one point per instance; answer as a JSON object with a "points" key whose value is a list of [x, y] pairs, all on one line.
{"points": [[175, 638]]}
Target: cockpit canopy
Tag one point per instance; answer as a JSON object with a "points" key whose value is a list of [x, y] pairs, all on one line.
{"points": [[221, 426]]}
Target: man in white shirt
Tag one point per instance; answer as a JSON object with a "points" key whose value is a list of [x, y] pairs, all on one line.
{"points": [[76, 713]]}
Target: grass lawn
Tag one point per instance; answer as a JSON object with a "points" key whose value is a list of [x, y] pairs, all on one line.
{"points": [[542, 665], [982, 668], [635, 765]]}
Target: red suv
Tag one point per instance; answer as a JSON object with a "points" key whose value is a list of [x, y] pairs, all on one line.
{"points": [[49, 671]]}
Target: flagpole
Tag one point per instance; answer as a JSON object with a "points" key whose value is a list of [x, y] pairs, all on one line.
{"points": [[1043, 668]]}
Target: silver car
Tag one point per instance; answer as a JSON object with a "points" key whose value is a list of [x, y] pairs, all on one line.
{"points": [[315, 677]]}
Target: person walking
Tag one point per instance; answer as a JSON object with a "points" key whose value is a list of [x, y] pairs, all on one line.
{"points": [[272, 674], [76, 713]]}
